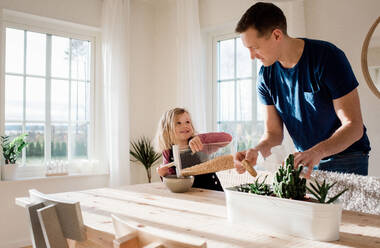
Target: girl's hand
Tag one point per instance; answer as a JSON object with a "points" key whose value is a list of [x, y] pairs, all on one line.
{"points": [[196, 144], [162, 170]]}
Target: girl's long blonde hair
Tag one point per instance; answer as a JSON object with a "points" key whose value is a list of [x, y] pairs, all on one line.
{"points": [[165, 135]]}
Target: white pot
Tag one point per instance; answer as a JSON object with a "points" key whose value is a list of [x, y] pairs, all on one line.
{"points": [[271, 214], [9, 171]]}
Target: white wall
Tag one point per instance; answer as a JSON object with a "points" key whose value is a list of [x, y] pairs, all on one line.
{"points": [[346, 23], [14, 231], [214, 14], [153, 71], [86, 12], [141, 78]]}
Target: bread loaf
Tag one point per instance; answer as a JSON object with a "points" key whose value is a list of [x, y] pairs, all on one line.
{"points": [[221, 163]]}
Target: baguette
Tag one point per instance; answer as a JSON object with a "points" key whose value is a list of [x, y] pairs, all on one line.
{"points": [[249, 168], [221, 163]]}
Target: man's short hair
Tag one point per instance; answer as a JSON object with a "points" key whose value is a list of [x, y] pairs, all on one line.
{"points": [[264, 17]]}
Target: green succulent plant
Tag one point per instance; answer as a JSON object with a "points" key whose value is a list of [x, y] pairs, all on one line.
{"points": [[142, 150], [261, 188], [12, 149], [258, 188], [287, 181], [321, 191], [244, 188]]}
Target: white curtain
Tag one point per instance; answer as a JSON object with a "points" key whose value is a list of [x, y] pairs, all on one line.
{"points": [[115, 56], [191, 88]]}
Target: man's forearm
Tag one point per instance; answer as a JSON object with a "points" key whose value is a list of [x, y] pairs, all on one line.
{"points": [[268, 141], [342, 138]]}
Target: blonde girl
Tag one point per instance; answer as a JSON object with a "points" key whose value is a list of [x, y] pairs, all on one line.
{"points": [[176, 128]]}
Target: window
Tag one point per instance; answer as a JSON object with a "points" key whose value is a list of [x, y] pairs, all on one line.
{"points": [[47, 94], [237, 109]]}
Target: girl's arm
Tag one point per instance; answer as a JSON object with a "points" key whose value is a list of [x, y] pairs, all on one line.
{"points": [[216, 141], [162, 170], [216, 137]]}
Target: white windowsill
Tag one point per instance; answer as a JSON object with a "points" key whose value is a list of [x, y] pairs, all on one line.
{"points": [[37, 172], [55, 177]]}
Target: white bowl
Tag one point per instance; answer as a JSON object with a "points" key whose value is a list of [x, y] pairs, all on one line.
{"points": [[178, 184]]}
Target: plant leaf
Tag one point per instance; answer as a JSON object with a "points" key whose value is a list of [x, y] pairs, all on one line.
{"points": [[336, 197]]}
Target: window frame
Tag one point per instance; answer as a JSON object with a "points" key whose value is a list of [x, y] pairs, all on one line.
{"points": [[215, 94], [44, 25]]}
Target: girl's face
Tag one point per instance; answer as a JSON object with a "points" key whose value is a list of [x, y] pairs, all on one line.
{"points": [[183, 128]]}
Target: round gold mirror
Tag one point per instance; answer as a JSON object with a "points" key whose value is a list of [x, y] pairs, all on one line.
{"points": [[371, 58]]}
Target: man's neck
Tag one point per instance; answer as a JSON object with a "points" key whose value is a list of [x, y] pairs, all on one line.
{"points": [[292, 50]]}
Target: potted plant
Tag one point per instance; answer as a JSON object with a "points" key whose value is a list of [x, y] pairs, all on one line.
{"points": [[143, 152], [284, 207], [11, 152]]}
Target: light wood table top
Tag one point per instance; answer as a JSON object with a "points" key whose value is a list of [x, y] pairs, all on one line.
{"points": [[199, 213]]}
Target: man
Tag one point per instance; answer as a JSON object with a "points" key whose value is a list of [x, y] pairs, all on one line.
{"points": [[309, 86]]}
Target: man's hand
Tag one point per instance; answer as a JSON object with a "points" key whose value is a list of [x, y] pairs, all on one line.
{"points": [[309, 159], [196, 144], [249, 155]]}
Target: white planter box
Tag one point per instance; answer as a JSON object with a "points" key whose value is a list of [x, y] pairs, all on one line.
{"points": [[304, 219]]}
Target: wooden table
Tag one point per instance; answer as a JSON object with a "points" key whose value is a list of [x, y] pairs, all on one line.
{"points": [[200, 213]]}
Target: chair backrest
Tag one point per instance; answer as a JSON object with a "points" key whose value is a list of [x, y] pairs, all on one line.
{"points": [[130, 234], [53, 220]]}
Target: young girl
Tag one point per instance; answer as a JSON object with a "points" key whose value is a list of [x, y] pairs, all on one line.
{"points": [[176, 128]]}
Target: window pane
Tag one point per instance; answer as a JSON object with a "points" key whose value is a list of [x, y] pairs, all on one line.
{"points": [[258, 65], [13, 130], [80, 140], [260, 111], [35, 99], [60, 100], [226, 59], [226, 101], [14, 61], [35, 151], [13, 97], [35, 53], [244, 100], [246, 134], [59, 141], [80, 101], [60, 57], [243, 60], [80, 59]]}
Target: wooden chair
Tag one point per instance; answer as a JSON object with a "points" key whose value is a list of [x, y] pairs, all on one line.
{"points": [[52, 221], [130, 234]]}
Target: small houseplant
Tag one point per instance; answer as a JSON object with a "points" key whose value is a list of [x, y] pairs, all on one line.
{"points": [[289, 184], [13, 149], [142, 151], [287, 210]]}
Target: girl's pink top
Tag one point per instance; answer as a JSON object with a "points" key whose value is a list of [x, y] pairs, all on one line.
{"points": [[206, 138]]}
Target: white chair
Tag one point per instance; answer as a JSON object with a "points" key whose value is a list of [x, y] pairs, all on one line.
{"points": [[130, 234], [52, 221]]}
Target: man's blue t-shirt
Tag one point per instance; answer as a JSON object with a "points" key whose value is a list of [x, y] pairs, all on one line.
{"points": [[303, 95]]}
